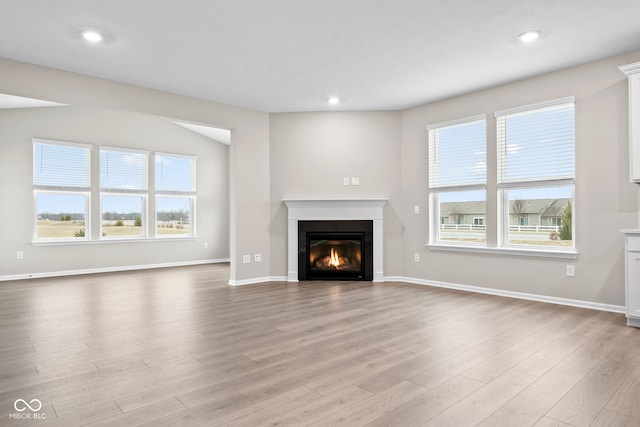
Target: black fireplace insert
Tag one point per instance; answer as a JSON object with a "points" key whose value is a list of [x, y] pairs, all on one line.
{"points": [[335, 250]]}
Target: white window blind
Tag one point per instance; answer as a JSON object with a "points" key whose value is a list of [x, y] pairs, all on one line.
{"points": [[61, 166], [457, 153], [123, 171], [536, 144], [175, 174]]}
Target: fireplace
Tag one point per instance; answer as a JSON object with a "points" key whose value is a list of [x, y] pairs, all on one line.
{"points": [[300, 211], [335, 250]]}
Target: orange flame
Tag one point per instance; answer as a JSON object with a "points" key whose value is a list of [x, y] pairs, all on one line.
{"points": [[335, 259]]}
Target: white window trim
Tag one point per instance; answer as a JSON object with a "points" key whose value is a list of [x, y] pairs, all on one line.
{"points": [[149, 222], [118, 192], [434, 192], [193, 174], [147, 155], [87, 222], [62, 190], [503, 188], [503, 224], [502, 230], [192, 217], [192, 195], [143, 214], [515, 251], [456, 122], [535, 106]]}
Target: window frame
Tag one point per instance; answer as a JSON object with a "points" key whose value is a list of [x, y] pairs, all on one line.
{"points": [[191, 195], [435, 224], [533, 184], [118, 192], [41, 189], [93, 207], [495, 241]]}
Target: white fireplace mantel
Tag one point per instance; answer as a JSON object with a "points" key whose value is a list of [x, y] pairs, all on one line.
{"points": [[326, 210]]}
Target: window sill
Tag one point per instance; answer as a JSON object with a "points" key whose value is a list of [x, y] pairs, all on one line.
{"points": [[526, 252], [110, 241]]}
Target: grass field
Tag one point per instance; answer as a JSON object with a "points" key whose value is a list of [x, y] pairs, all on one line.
{"points": [[66, 229]]}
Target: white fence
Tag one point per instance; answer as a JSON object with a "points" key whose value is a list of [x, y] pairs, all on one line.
{"points": [[529, 228]]}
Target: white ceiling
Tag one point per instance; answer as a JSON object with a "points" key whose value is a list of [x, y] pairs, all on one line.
{"points": [[291, 55], [10, 101], [217, 134]]}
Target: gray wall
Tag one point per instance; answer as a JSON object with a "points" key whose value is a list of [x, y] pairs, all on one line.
{"points": [[248, 176], [115, 129], [306, 155], [605, 200], [311, 153]]}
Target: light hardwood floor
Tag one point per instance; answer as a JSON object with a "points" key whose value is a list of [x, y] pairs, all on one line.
{"points": [[177, 346]]}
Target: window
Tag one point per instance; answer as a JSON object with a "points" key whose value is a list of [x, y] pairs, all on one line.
{"points": [[536, 174], [175, 195], [457, 180], [62, 190], [123, 193]]}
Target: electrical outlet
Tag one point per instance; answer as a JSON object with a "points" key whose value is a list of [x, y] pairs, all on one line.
{"points": [[246, 259], [257, 257], [416, 209], [20, 255], [355, 180], [416, 257], [571, 270]]}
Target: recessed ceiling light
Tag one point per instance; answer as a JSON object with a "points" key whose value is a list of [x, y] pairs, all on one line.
{"points": [[333, 100], [529, 36], [92, 36]]}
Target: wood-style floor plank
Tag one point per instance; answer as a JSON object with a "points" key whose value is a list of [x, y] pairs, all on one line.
{"points": [[179, 347]]}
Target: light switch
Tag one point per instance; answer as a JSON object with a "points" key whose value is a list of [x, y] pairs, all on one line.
{"points": [[345, 180]]}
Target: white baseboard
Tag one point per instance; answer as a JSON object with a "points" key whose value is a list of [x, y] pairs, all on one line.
{"points": [[510, 294], [108, 269], [258, 280]]}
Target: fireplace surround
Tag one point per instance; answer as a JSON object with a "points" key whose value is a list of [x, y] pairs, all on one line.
{"points": [[335, 210]]}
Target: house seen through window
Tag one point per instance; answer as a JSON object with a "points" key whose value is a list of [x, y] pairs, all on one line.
{"points": [[536, 164], [457, 180], [535, 178]]}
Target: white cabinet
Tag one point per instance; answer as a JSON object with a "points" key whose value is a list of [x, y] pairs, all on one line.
{"points": [[632, 277], [633, 73]]}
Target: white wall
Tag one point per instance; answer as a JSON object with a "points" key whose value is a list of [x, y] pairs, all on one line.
{"points": [[248, 164]]}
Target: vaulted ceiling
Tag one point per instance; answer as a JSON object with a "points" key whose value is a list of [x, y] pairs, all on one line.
{"points": [[292, 55]]}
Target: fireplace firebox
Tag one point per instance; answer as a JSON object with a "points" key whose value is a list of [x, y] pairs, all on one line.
{"points": [[335, 250]]}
